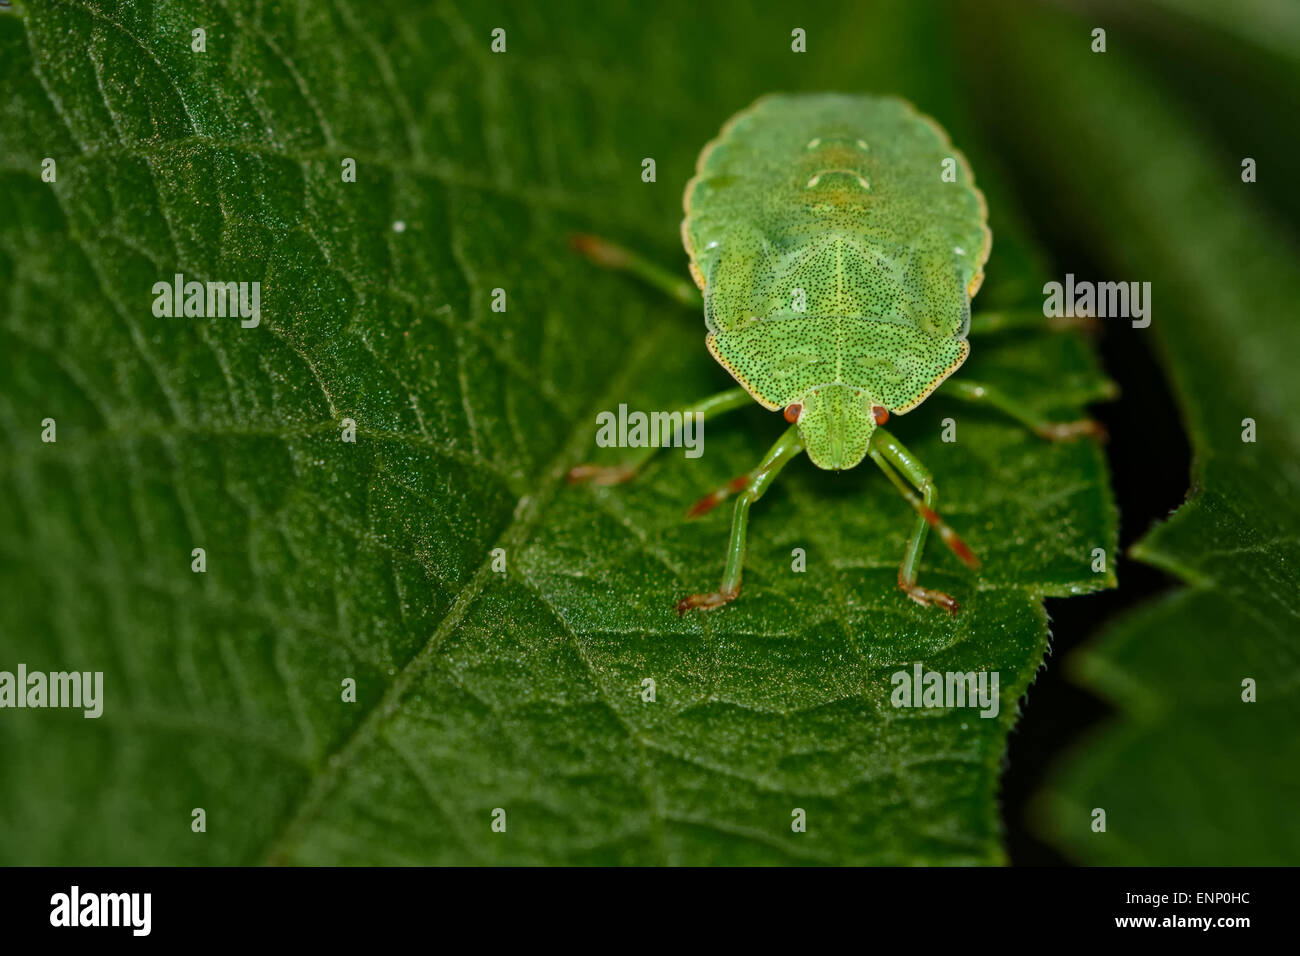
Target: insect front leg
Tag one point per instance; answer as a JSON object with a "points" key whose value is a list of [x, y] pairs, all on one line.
{"points": [[1055, 431], [787, 447], [727, 401], [609, 255], [889, 454]]}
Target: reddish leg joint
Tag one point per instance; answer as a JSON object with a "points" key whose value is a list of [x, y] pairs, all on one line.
{"points": [[948, 537], [705, 602], [715, 498], [1068, 431], [927, 597], [599, 251], [601, 474]]}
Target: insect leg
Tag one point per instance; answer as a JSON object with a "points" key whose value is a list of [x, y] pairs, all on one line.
{"points": [[787, 447], [1055, 431], [611, 256], [729, 400], [1028, 320], [889, 454]]}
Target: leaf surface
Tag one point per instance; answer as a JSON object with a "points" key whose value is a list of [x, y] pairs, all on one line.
{"points": [[372, 561]]}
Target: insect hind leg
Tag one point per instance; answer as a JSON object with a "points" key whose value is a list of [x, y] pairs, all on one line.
{"points": [[979, 393], [996, 322]]}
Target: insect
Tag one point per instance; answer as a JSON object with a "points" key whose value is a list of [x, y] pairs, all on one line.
{"points": [[836, 242]]}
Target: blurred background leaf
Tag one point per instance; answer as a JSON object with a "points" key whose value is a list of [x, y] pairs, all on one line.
{"points": [[328, 560], [1187, 773]]}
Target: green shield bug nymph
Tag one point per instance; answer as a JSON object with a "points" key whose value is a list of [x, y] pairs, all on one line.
{"points": [[837, 241]]}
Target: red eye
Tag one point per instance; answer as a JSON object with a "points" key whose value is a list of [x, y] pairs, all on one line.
{"points": [[792, 412], [880, 414]]}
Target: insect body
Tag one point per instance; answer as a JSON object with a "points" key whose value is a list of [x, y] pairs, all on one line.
{"points": [[837, 241], [836, 262]]}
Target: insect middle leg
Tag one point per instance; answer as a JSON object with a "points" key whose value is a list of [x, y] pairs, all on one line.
{"points": [[786, 449], [1055, 431], [889, 454], [995, 322], [727, 401], [609, 255]]}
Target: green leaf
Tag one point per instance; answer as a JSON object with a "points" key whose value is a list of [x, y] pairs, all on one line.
{"points": [[328, 560], [1188, 773]]}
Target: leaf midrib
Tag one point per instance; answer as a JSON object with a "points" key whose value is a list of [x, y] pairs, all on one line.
{"points": [[528, 511]]}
